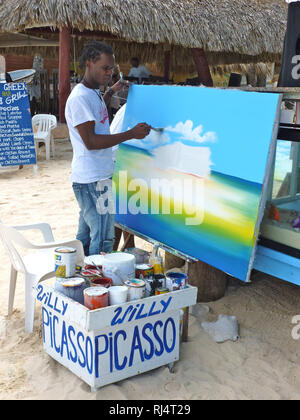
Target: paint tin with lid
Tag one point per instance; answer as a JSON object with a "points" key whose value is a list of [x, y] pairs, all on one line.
{"points": [[136, 289], [176, 281], [144, 270], [96, 297], [72, 287], [65, 262]]}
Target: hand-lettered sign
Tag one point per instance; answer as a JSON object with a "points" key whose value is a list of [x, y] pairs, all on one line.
{"points": [[113, 343], [16, 136]]}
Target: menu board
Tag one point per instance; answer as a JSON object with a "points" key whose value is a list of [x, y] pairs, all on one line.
{"points": [[16, 136]]}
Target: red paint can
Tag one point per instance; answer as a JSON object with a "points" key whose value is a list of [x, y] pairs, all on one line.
{"points": [[96, 297], [102, 281]]}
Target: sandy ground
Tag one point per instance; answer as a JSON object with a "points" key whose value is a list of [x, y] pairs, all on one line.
{"points": [[263, 364]]}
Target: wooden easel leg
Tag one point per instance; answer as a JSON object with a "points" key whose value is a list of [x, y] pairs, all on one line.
{"points": [[185, 321], [126, 242]]}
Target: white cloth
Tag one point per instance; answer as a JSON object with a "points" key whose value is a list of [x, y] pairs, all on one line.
{"points": [[84, 105], [116, 127], [140, 71]]}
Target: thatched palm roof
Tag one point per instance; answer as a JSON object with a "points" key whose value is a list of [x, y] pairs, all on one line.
{"points": [[250, 27], [230, 31]]}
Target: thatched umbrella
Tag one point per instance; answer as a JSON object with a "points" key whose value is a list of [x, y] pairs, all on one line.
{"points": [[229, 31]]}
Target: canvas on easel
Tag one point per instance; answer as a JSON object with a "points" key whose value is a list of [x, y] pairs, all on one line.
{"points": [[198, 185]]}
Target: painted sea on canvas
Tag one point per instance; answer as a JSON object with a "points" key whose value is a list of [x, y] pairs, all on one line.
{"points": [[197, 186]]}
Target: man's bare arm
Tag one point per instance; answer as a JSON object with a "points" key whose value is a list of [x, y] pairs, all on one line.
{"points": [[94, 141]]}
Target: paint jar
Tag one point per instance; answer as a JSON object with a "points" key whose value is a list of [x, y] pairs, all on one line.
{"points": [[156, 261], [72, 287], [95, 297], [145, 270], [136, 289], [141, 256], [117, 295], [161, 291], [176, 281], [65, 262], [102, 281]]}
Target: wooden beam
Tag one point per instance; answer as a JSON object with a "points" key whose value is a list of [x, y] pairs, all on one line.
{"points": [[202, 67], [64, 70], [167, 62]]}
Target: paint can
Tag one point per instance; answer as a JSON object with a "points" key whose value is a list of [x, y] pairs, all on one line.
{"points": [[119, 266], [95, 297], [117, 295], [65, 262], [72, 287], [176, 281], [102, 281], [145, 270], [161, 291], [136, 289], [93, 267]]}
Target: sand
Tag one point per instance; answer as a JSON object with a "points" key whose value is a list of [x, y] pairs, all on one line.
{"points": [[263, 364]]}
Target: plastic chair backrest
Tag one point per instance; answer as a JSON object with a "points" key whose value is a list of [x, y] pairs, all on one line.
{"points": [[44, 122], [10, 236]]}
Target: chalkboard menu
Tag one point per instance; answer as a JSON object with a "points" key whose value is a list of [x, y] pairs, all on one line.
{"points": [[16, 136]]}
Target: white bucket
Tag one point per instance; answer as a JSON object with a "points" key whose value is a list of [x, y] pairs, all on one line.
{"points": [[119, 266], [117, 295]]}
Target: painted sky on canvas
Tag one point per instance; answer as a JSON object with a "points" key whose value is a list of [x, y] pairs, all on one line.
{"points": [[217, 138], [238, 121]]}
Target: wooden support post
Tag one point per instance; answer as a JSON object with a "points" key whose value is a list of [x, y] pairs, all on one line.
{"points": [[2, 68], [202, 66], [64, 70], [185, 321], [167, 63]]}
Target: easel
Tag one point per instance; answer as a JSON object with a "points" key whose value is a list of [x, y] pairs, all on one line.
{"points": [[188, 261]]}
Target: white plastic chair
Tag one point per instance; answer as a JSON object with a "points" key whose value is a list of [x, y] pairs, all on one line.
{"points": [[36, 266], [45, 124]]}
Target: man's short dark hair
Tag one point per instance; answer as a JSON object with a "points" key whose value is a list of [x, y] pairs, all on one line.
{"points": [[135, 60], [93, 50]]}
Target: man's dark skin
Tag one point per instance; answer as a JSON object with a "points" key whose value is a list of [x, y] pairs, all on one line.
{"points": [[96, 74]]}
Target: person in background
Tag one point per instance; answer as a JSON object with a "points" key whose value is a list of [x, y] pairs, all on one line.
{"points": [[92, 164], [137, 70]]}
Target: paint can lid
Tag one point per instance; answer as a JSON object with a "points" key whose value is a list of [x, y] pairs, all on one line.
{"points": [[176, 275], [135, 283], [143, 266], [95, 291], [65, 250], [72, 282]]}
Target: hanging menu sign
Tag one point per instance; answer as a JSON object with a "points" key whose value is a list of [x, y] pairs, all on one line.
{"points": [[16, 136]]}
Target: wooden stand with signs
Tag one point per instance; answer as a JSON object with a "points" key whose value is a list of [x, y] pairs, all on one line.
{"points": [[107, 345], [17, 145]]}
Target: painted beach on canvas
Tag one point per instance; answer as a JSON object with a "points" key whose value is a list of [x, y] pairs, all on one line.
{"points": [[196, 185]]}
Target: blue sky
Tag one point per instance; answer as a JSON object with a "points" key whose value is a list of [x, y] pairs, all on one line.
{"points": [[236, 126]]}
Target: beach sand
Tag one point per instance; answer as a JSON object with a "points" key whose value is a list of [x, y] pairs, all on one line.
{"points": [[263, 364]]}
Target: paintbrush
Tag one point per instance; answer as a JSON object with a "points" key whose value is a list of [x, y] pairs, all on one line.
{"points": [[158, 130]]}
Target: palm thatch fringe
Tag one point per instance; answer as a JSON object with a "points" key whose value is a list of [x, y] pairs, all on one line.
{"points": [[245, 27]]}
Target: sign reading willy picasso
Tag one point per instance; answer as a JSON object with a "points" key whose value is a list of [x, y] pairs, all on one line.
{"points": [[16, 136], [113, 343]]}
